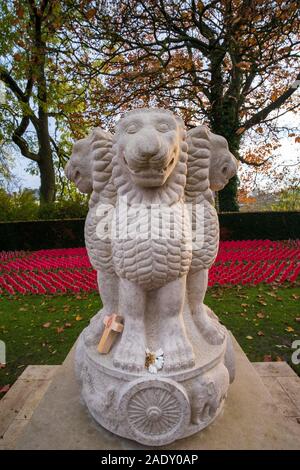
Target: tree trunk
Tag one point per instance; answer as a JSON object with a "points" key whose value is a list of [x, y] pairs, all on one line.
{"points": [[46, 166], [45, 163], [223, 122], [228, 196], [47, 176]]}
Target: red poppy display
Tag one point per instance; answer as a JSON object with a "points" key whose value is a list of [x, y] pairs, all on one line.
{"points": [[69, 270]]}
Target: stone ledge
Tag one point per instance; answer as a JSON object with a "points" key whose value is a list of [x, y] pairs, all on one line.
{"points": [[19, 403], [274, 369], [283, 385]]}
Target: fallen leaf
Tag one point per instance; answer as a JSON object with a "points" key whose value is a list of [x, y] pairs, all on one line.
{"points": [[78, 318], [262, 302], [46, 325], [2, 366], [244, 305], [297, 319], [59, 329], [68, 325], [5, 388], [260, 333], [289, 329], [279, 299], [260, 315], [278, 359], [296, 296], [267, 358], [249, 337]]}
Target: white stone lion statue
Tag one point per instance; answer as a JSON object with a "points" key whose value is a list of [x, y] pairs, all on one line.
{"points": [[151, 161]]}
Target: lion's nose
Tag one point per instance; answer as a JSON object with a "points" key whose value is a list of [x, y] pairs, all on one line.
{"points": [[150, 146]]}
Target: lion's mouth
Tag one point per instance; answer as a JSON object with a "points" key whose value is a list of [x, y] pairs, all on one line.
{"points": [[147, 171]]}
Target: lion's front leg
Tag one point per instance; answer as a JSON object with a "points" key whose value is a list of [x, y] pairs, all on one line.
{"points": [[108, 285], [205, 320], [173, 340], [130, 352]]}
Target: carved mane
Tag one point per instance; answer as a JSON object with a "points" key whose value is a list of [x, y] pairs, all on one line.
{"points": [[199, 154], [102, 156]]}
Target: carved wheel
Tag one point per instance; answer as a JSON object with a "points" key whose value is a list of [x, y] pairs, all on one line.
{"points": [[156, 411]]}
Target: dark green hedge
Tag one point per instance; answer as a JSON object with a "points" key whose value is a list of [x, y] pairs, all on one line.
{"points": [[68, 233], [41, 234], [259, 225]]}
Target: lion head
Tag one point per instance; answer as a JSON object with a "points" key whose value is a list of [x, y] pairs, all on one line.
{"points": [[223, 164], [90, 164], [79, 167], [147, 145], [205, 144]]}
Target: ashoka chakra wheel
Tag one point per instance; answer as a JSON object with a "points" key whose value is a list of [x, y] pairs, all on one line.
{"points": [[155, 410]]}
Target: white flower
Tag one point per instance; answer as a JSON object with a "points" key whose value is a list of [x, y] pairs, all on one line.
{"points": [[154, 360], [159, 363], [152, 369]]}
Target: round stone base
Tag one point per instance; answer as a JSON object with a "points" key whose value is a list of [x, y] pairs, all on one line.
{"points": [[155, 409]]}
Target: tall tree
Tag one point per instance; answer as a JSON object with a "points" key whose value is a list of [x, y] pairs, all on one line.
{"points": [[231, 63], [41, 96]]}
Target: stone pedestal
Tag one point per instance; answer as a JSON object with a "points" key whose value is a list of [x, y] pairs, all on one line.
{"points": [[249, 419], [156, 409]]}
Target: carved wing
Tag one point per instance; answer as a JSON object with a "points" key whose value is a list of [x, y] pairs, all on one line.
{"points": [[205, 223]]}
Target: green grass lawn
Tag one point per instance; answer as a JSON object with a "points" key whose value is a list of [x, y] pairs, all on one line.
{"points": [[42, 329]]}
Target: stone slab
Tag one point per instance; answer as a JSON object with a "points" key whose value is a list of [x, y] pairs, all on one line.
{"points": [[292, 387], [280, 397], [274, 369], [250, 419], [12, 402], [37, 372], [18, 405]]}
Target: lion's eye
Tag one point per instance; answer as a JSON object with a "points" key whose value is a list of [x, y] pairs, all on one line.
{"points": [[163, 127], [132, 129]]}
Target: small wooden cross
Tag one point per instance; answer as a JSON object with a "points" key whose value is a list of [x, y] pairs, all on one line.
{"points": [[113, 326]]}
